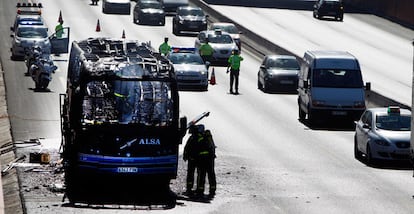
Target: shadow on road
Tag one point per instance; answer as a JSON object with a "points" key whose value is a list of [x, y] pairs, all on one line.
{"points": [[280, 4]]}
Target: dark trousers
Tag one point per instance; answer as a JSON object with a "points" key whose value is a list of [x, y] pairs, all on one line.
{"points": [[191, 166], [206, 58], [206, 167], [234, 77]]}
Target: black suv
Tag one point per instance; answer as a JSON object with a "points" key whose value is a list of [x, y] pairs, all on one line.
{"points": [[332, 8], [189, 18]]}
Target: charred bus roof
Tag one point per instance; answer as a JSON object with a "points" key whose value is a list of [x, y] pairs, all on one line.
{"points": [[118, 58]]}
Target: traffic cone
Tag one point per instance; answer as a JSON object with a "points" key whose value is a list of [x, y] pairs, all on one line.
{"points": [[60, 17], [123, 34], [213, 77], [98, 27]]}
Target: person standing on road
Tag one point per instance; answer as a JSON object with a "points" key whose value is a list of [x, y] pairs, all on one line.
{"points": [[206, 51], [190, 156], [165, 48], [205, 160], [234, 68], [59, 29]]}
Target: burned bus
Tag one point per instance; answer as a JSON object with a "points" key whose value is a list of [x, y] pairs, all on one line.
{"points": [[120, 116]]}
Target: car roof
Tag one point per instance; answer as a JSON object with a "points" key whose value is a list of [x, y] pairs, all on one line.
{"points": [[28, 16], [213, 32], [31, 26], [222, 24], [149, 1], [384, 110], [276, 56], [188, 8]]}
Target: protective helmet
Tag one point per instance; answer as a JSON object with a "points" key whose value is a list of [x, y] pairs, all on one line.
{"points": [[166, 39], [200, 128], [192, 129]]}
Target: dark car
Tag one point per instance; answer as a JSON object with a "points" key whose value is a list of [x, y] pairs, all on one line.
{"points": [[190, 19], [278, 73], [332, 8], [149, 11]]}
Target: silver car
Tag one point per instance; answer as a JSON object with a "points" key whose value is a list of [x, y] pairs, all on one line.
{"points": [[229, 28], [26, 36], [220, 41], [27, 20], [383, 134], [190, 70]]}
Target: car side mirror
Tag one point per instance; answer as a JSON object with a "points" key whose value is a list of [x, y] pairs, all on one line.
{"points": [[207, 16], [12, 28], [11, 35], [262, 67], [368, 86], [366, 126]]}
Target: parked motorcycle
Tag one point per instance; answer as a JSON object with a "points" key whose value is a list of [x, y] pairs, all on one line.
{"points": [[40, 67]]}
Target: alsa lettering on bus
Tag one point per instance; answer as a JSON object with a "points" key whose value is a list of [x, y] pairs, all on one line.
{"points": [[149, 141]]}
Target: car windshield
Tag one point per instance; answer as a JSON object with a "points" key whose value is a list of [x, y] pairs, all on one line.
{"points": [[393, 122], [220, 39], [186, 58], [155, 5], [30, 32], [227, 28], [337, 78], [191, 12], [283, 64]]}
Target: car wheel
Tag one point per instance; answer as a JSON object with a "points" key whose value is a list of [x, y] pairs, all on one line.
{"points": [[162, 22], [264, 87], [314, 14], [302, 114], [174, 29], [370, 161], [357, 153], [259, 85], [311, 117], [341, 18]]}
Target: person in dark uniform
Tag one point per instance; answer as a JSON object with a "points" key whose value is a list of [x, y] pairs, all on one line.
{"points": [[190, 156], [205, 160]]}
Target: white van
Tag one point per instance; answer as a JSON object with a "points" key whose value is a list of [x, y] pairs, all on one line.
{"points": [[330, 85]]}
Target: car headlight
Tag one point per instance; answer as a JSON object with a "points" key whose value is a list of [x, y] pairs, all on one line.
{"points": [[203, 72], [381, 142], [268, 76]]}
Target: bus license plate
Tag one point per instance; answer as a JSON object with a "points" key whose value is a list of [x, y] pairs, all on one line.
{"points": [[127, 169]]}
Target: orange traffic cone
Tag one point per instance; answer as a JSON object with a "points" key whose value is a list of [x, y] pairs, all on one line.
{"points": [[60, 17], [98, 27], [123, 34], [213, 78]]}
